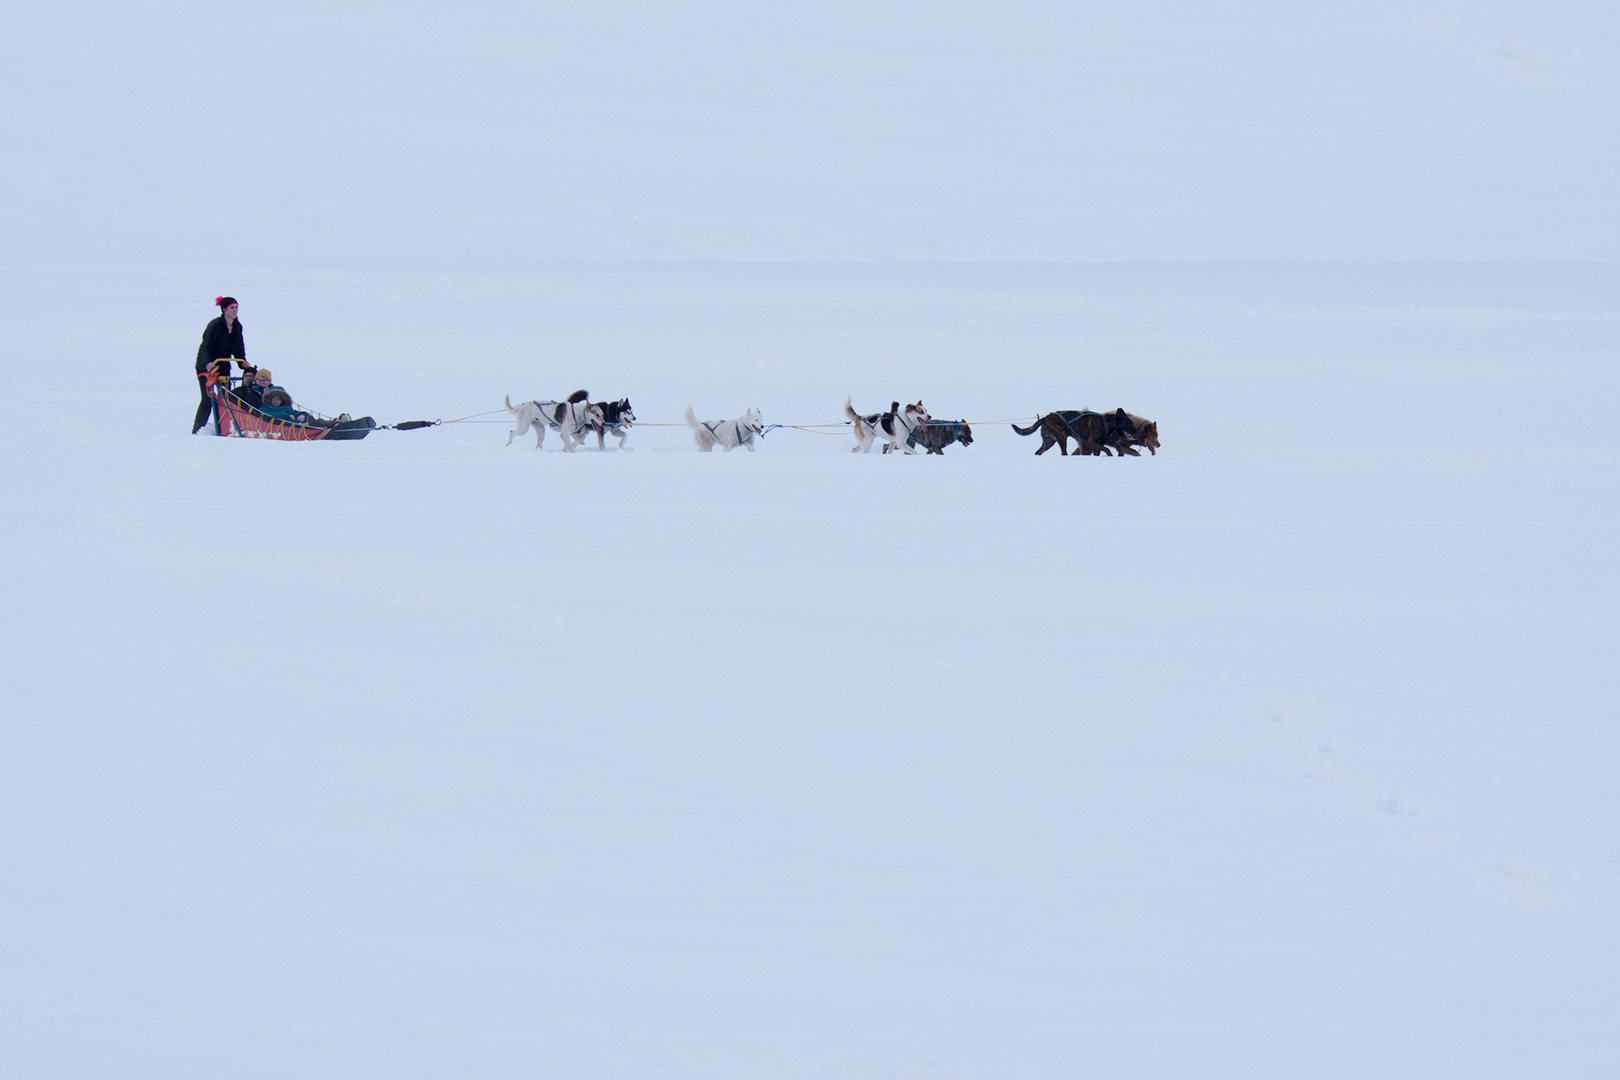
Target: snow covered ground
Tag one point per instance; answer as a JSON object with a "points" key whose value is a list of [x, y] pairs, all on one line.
{"points": [[1287, 752]]}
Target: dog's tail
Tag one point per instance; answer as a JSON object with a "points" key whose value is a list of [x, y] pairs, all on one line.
{"points": [[700, 434], [1032, 429], [509, 403], [861, 430], [578, 396]]}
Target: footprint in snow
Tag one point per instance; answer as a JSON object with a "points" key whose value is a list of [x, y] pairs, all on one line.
{"points": [[1402, 805]]}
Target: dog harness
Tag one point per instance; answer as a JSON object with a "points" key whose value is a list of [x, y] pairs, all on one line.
{"points": [[887, 422], [1065, 419], [744, 434]]}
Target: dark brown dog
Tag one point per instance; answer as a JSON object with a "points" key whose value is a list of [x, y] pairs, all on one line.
{"points": [[1147, 434], [936, 435], [1094, 432]]}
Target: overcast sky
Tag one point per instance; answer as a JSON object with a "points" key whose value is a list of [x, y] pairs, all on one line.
{"points": [[297, 132]]}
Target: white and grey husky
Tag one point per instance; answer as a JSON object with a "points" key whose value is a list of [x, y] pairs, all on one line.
{"points": [[570, 419], [727, 433], [891, 428]]}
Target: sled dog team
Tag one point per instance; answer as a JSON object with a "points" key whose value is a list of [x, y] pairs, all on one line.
{"points": [[903, 428]]}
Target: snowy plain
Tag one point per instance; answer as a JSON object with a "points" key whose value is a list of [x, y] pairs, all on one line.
{"points": [[1286, 752]]}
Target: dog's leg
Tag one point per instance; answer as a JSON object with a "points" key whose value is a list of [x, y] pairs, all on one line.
{"points": [[863, 434]]}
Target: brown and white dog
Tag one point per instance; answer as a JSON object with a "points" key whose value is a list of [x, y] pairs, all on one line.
{"points": [[892, 428], [729, 434], [570, 419]]}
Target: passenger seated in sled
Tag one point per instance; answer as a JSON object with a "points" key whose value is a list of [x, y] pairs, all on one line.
{"points": [[274, 400], [265, 398], [254, 384]]}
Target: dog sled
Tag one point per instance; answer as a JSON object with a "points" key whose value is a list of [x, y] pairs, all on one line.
{"points": [[241, 420]]}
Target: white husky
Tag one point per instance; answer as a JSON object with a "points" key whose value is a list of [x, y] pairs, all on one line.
{"points": [[727, 433], [570, 419], [892, 428]]}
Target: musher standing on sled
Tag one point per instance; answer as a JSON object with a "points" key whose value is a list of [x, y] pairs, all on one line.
{"points": [[221, 343]]}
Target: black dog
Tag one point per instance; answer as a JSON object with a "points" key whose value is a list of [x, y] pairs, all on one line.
{"points": [[617, 416], [936, 435], [1094, 432]]}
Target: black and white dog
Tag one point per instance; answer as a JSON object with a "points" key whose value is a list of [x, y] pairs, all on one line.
{"points": [[569, 419], [893, 428], [617, 416], [727, 433]]}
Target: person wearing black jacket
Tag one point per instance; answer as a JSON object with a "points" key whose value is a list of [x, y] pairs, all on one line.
{"points": [[221, 343], [254, 384]]}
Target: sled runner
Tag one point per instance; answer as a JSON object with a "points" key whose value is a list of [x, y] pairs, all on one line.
{"points": [[245, 422]]}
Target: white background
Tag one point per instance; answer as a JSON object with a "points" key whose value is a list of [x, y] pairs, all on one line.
{"points": [[290, 132]]}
